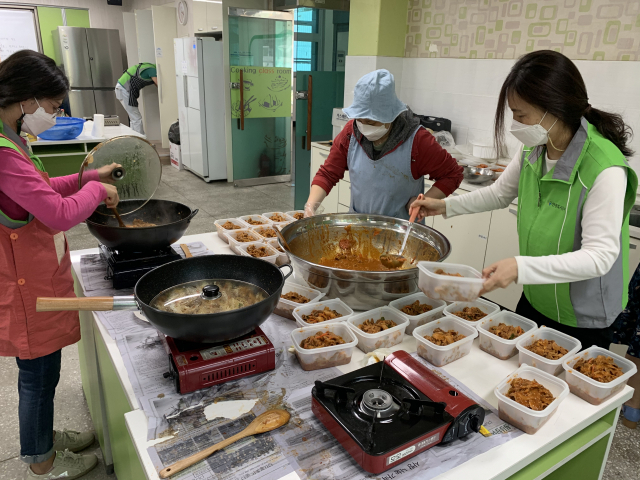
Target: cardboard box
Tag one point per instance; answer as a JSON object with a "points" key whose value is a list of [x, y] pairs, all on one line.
{"points": [[174, 154]]}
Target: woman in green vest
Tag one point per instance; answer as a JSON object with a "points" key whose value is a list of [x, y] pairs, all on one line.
{"points": [[134, 79], [574, 189]]}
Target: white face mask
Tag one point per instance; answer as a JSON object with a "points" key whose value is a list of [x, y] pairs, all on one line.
{"points": [[37, 122], [531, 135], [372, 132]]}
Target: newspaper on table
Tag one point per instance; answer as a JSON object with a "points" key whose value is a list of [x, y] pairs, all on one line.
{"points": [[93, 269], [309, 449]]}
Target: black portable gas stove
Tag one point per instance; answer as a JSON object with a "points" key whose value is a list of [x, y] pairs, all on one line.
{"points": [[393, 410], [193, 366], [125, 268]]}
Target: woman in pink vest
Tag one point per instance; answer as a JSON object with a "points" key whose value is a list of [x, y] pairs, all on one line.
{"points": [[34, 260]]}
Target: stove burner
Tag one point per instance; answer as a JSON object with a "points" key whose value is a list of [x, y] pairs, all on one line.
{"points": [[124, 268], [378, 403]]}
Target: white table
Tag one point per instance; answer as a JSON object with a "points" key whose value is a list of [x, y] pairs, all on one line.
{"points": [[577, 437]]}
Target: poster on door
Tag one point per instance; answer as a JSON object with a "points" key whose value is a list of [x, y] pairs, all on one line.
{"points": [[267, 92]]}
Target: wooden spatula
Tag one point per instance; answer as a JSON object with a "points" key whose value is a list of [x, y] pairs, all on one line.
{"points": [[120, 222], [266, 422]]}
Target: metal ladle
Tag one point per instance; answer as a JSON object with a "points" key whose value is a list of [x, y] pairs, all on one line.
{"points": [[393, 260]]}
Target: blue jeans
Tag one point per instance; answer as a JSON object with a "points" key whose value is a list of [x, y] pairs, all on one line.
{"points": [[37, 383]]}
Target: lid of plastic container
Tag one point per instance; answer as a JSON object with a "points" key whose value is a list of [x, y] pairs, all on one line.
{"points": [[139, 177]]}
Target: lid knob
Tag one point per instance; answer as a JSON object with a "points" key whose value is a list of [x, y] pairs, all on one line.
{"points": [[117, 173], [210, 291]]}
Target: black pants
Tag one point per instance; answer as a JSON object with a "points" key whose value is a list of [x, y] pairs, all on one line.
{"points": [[601, 337]]}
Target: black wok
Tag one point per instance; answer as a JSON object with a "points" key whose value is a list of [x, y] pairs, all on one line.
{"points": [[171, 219], [213, 328]]}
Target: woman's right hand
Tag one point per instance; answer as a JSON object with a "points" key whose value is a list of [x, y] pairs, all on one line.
{"points": [[429, 207], [112, 195]]}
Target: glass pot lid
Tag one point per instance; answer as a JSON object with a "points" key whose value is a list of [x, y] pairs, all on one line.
{"points": [[205, 297], [139, 177]]}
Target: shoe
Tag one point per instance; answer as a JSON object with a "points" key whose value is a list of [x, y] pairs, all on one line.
{"points": [[631, 417], [66, 466], [72, 441]]}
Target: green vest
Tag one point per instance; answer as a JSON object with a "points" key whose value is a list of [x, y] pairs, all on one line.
{"points": [[131, 72], [549, 223], [4, 143]]}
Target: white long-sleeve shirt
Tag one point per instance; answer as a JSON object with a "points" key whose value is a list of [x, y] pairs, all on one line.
{"points": [[601, 225]]}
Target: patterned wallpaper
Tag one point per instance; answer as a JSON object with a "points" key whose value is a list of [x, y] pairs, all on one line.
{"points": [[581, 29]]}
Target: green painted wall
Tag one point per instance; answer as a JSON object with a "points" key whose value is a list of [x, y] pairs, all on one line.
{"points": [[77, 18], [50, 19], [377, 28]]}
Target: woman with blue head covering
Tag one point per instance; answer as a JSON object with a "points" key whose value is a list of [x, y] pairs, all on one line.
{"points": [[387, 153]]}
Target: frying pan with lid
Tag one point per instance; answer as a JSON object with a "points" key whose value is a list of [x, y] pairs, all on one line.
{"points": [[202, 328]]}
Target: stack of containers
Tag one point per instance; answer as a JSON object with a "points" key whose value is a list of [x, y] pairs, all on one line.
{"points": [[591, 390], [285, 307], [489, 308], [234, 243], [368, 342], [324, 357], [333, 304], [449, 287], [442, 355], [222, 232], [436, 312], [526, 419], [500, 347], [554, 367]]}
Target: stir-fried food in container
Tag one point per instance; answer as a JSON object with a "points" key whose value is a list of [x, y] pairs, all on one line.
{"points": [[472, 314], [267, 232], [416, 308], [601, 369], [295, 297], [439, 271], [317, 316], [321, 340], [548, 349], [508, 332], [371, 326], [230, 226], [442, 338], [530, 393], [277, 217], [298, 215], [258, 252], [253, 221], [244, 237]]}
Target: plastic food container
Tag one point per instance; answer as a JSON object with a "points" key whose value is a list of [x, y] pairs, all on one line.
{"points": [[285, 307], [66, 128], [484, 151], [554, 367], [293, 212], [487, 307], [317, 358], [283, 258], [257, 229], [590, 390], [286, 217], [497, 346], [444, 287], [273, 255], [417, 320], [368, 342], [334, 304], [233, 243], [222, 232], [440, 356], [259, 218], [527, 420]]}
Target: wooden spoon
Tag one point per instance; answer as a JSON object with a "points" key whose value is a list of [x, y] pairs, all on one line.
{"points": [[391, 260], [120, 222], [266, 422], [185, 249], [281, 238]]}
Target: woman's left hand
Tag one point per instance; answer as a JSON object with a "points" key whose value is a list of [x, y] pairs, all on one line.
{"points": [[499, 275], [105, 173]]}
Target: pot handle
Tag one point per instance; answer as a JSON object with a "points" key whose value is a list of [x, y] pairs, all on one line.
{"points": [[91, 304], [193, 214], [290, 270]]}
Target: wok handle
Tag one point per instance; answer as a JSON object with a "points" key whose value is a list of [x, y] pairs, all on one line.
{"points": [[92, 304], [290, 270], [193, 214]]}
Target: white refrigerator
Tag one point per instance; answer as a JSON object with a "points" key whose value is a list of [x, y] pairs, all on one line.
{"points": [[200, 84]]}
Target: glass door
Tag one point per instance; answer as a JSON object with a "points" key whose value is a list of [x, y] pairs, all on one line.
{"points": [[260, 59]]}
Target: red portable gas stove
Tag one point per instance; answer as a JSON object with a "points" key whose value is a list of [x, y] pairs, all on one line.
{"points": [[199, 365], [393, 410]]}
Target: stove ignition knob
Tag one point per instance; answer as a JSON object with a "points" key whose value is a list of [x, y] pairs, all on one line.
{"points": [[210, 292], [474, 423], [167, 375]]}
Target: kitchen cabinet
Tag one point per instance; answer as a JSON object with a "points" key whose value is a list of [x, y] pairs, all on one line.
{"points": [[319, 154], [207, 17], [468, 236], [344, 193], [503, 243]]}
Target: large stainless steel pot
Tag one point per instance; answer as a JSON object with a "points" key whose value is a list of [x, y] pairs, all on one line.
{"points": [[311, 238]]}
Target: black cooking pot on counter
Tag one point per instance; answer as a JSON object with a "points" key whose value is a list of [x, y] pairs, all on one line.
{"points": [[206, 328]]}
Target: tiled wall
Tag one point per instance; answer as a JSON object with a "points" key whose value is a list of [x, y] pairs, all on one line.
{"points": [[581, 29], [466, 90]]}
